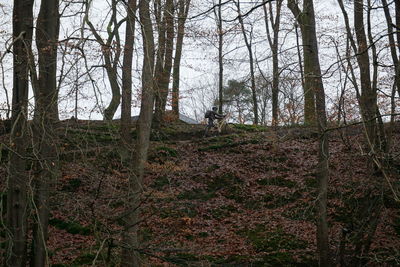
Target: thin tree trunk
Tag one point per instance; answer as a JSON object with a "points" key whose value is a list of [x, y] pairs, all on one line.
{"points": [[128, 237], [111, 63], [309, 95], [313, 80], [126, 120], [368, 96], [273, 43], [395, 59], [160, 14], [169, 48], [47, 30], [251, 63], [220, 58], [182, 15], [143, 125], [18, 179]]}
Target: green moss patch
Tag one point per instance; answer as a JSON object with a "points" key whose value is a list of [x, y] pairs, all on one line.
{"points": [[84, 259], [249, 128], [223, 212], [197, 193], [277, 181], [227, 143], [160, 182], [72, 185], [70, 226], [277, 244], [230, 186], [276, 201]]}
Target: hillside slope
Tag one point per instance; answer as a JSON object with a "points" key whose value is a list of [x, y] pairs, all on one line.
{"points": [[242, 199]]}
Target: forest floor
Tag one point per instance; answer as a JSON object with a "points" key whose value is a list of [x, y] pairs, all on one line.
{"points": [[245, 198]]}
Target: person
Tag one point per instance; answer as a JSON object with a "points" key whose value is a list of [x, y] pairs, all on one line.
{"points": [[212, 115]]}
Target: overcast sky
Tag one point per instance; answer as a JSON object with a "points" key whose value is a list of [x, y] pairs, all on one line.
{"points": [[199, 64]]}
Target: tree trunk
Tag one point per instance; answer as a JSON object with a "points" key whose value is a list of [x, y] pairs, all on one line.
{"points": [[182, 15], [126, 120], [313, 80], [110, 63], [220, 58], [273, 43], [397, 11], [368, 95], [143, 135], [128, 237], [309, 95], [47, 30], [251, 62], [164, 73], [18, 180], [160, 59]]}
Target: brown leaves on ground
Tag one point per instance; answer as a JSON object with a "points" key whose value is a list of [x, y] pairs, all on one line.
{"points": [[232, 200]]}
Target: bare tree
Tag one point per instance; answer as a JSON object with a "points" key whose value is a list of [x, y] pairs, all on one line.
{"points": [[309, 97], [46, 113], [218, 16], [313, 81], [165, 25], [248, 42], [368, 97], [18, 179], [143, 138], [273, 43], [111, 55], [183, 10], [126, 120], [128, 237]]}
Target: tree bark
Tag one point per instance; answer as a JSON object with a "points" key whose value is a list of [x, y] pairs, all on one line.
{"points": [[47, 30], [110, 63], [304, 20], [18, 180], [126, 107], [273, 43], [143, 130], [368, 96], [220, 58], [128, 237], [164, 61], [182, 15], [313, 80], [251, 63]]}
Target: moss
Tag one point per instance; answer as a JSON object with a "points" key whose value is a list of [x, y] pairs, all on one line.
{"points": [[228, 143], [277, 181], [302, 212], [223, 211], [197, 193], [145, 234], [182, 259], [70, 226], [277, 243], [230, 186], [311, 182], [204, 234], [212, 168], [276, 201], [188, 210], [160, 182], [249, 128], [84, 259], [167, 151], [72, 185]]}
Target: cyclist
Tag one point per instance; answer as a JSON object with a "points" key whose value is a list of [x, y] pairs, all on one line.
{"points": [[212, 115]]}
